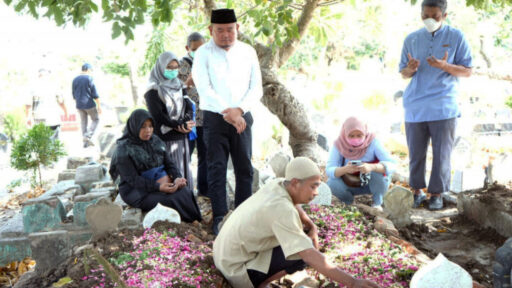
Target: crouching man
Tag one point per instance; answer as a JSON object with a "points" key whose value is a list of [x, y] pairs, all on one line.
{"points": [[264, 237]]}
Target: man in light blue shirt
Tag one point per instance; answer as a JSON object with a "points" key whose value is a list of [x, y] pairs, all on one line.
{"points": [[434, 57], [227, 76]]}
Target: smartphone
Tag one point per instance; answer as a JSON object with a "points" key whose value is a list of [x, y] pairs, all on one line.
{"points": [[355, 162]]}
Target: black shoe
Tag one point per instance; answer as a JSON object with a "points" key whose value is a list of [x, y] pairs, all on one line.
{"points": [[418, 198], [216, 221], [436, 202]]}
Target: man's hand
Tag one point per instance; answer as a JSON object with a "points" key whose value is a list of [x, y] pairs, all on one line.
{"points": [[313, 234], [413, 63], [438, 63], [189, 82], [99, 109], [234, 117]]}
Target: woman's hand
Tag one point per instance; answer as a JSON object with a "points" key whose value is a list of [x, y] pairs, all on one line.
{"points": [[180, 182], [366, 168], [168, 187], [351, 168]]}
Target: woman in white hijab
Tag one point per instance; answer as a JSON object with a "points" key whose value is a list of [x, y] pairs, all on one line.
{"points": [[172, 111]]}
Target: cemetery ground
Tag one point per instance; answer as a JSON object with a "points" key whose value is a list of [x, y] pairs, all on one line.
{"points": [[365, 242]]}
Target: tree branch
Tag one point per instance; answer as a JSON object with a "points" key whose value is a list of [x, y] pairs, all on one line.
{"points": [[305, 18], [209, 5]]}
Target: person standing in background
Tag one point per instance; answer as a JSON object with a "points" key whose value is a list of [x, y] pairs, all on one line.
{"points": [[434, 57], [227, 75], [194, 41], [87, 103]]}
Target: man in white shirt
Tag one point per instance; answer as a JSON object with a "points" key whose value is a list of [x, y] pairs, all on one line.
{"points": [[227, 76], [42, 105]]}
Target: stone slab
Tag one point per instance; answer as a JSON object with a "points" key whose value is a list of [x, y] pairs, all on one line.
{"points": [[81, 204], [49, 249], [398, 203], [111, 190], [42, 214], [467, 179], [278, 163], [492, 214], [120, 201], [79, 237], [132, 218], [68, 174], [161, 213], [88, 174], [103, 216], [75, 162], [13, 227], [14, 249], [61, 188]]}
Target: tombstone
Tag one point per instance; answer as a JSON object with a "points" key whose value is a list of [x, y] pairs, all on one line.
{"points": [[324, 196], [88, 174], [103, 216], [321, 140], [4, 142], [161, 213], [461, 156], [441, 273], [75, 162], [49, 249], [278, 163], [501, 168], [42, 214], [398, 204]]}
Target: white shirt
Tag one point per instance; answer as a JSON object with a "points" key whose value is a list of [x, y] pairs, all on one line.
{"points": [[227, 79]]}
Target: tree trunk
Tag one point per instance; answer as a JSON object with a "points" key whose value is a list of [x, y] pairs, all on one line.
{"points": [[280, 102], [40, 178], [135, 95]]}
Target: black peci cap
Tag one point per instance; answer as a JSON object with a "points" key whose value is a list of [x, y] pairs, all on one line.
{"points": [[223, 16]]}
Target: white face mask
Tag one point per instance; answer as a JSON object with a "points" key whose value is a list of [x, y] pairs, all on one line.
{"points": [[431, 24]]}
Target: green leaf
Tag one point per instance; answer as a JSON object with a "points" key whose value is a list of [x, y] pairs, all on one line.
{"points": [[94, 7], [105, 5], [20, 6], [57, 13], [8, 2], [32, 9], [116, 30], [229, 4]]}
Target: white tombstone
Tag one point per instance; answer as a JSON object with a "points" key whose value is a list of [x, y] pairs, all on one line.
{"points": [[441, 273], [324, 196], [398, 203], [161, 213]]}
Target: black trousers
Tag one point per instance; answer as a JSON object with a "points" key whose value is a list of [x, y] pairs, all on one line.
{"points": [[182, 201], [222, 140], [202, 164], [277, 263]]}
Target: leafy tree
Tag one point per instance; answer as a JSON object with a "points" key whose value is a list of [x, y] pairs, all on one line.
{"points": [[274, 28], [509, 102], [14, 124], [125, 71], [36, 148]]}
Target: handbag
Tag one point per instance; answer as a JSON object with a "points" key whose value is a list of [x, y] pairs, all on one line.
{"points": [[351, 180]]}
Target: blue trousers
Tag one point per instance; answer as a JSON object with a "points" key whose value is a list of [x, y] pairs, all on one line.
{"points": [[377, 187], [419, 134]]}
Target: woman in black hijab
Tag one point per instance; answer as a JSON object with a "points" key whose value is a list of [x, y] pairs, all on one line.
{"points": [[148, 176]]}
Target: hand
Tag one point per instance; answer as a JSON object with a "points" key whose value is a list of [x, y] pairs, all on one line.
{"points": [[351, 168], [180, 182], [231, 114], [99, 110], [438, 63], [365, 168], [29, 122], [184, 130], [413, 63], [189, 82], [191, 124], [313, 234], [168, 187], [361, 283], [240, 125]]}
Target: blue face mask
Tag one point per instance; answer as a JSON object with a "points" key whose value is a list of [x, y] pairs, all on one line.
{"points": [[192, 53], [171, 73]]}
